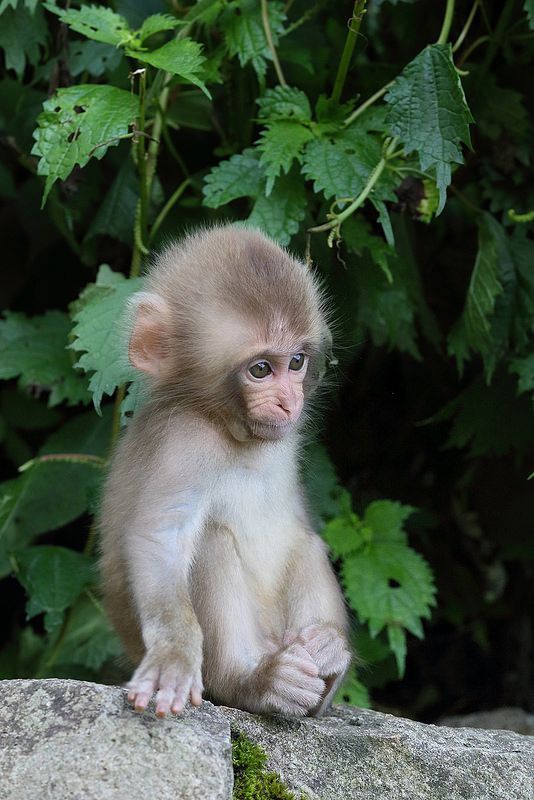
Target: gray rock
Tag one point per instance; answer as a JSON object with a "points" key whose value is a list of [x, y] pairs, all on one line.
{"points": [[71, 740], [365, 755], [508, 718]]}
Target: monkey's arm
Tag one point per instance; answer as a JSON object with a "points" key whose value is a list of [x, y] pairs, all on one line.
{"points": [[159, 552], [317, 616]]}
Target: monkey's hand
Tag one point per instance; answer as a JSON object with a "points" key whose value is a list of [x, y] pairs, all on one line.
{"points": [[175, 676], [328, 650], [288, 682]]}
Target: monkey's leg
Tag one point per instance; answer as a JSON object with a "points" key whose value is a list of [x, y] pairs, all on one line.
{"points": [[317, 618], [243, 664]]}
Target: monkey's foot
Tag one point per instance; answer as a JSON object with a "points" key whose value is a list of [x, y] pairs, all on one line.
{"points": [[171, 678], [289, 683], [327, 648]]}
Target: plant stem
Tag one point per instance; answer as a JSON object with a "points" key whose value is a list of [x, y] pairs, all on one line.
{"points": [[369, 102], [270, 42], [153, 145], [175, 196], [447, 22], [338, 219], [528, 216], [173, 150], [472, 47], [496, 39], [465, 30], [354, 28], [141, 155], [116, 421]]}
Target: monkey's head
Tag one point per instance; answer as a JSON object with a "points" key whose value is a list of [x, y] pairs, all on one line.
{"points": [[235, 327]]}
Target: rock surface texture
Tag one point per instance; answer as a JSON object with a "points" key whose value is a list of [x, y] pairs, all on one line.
{"points": [[70, 740], [508, 718]]}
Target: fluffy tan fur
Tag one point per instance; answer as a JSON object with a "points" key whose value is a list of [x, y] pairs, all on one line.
{"points": [[212, 574]]}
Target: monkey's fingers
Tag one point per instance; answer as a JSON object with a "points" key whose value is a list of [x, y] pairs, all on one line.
{"points": [[139, 699], [142, 686], [297, 657], [195, 695], [172, 691], [191, 690], [326, 647], [291, 696]]}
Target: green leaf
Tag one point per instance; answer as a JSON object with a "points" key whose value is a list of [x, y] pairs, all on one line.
{"points": [[331, 115], [205, 11], [90, 640], [340, 167], [52, 493], [245, 36], [136, 396], [19, 106], [280, 143], [239, 176], [322, 484], [93, 57], [22, 34], [284, 102], [97, 319], [84, 434], [528, 5], [490, 420], [353, 691], [344, 534], [524, 368], [500, 112], [357, 236], [428, 113], [35, 351], [95, 22], [21, 410], [181, 57], [387, 309], [46, 497], [384, 220], [397, 643], [116, 214], [475, 330], [386, 582], [387, 518], [390, 586], [280, 214], [155, 24], [80, 123], [53, 578], [192, 110]]}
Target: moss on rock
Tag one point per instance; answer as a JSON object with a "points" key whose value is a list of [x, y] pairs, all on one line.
{"points": [[252, 780]]}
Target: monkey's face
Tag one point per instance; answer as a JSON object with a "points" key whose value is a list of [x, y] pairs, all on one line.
{"points": [[272, 388]]}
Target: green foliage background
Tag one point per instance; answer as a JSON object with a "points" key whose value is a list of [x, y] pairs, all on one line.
{"points": [[392, 151]]}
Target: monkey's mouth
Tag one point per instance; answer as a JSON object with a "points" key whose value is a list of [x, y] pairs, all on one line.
{"points": [[270, 431]]}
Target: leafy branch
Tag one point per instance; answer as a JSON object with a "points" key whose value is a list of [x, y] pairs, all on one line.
{"points": [[337, 219]]}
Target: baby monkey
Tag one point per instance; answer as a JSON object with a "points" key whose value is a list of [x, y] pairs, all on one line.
{"points": [[213, 576]]}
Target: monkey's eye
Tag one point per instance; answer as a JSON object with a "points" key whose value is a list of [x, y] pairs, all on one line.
{"points": [[297, 362], [260, 370]]}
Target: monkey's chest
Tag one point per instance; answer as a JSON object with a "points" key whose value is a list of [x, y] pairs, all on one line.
{"points": [[255, 509]]}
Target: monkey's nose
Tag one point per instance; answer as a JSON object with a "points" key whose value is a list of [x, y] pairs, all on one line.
{"points": [[286, 407]]}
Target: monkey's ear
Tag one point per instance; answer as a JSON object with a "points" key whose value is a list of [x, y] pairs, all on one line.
{"points": [[149, 343]]}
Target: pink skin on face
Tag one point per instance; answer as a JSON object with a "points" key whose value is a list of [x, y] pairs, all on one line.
{"points": [[276, 399]]}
